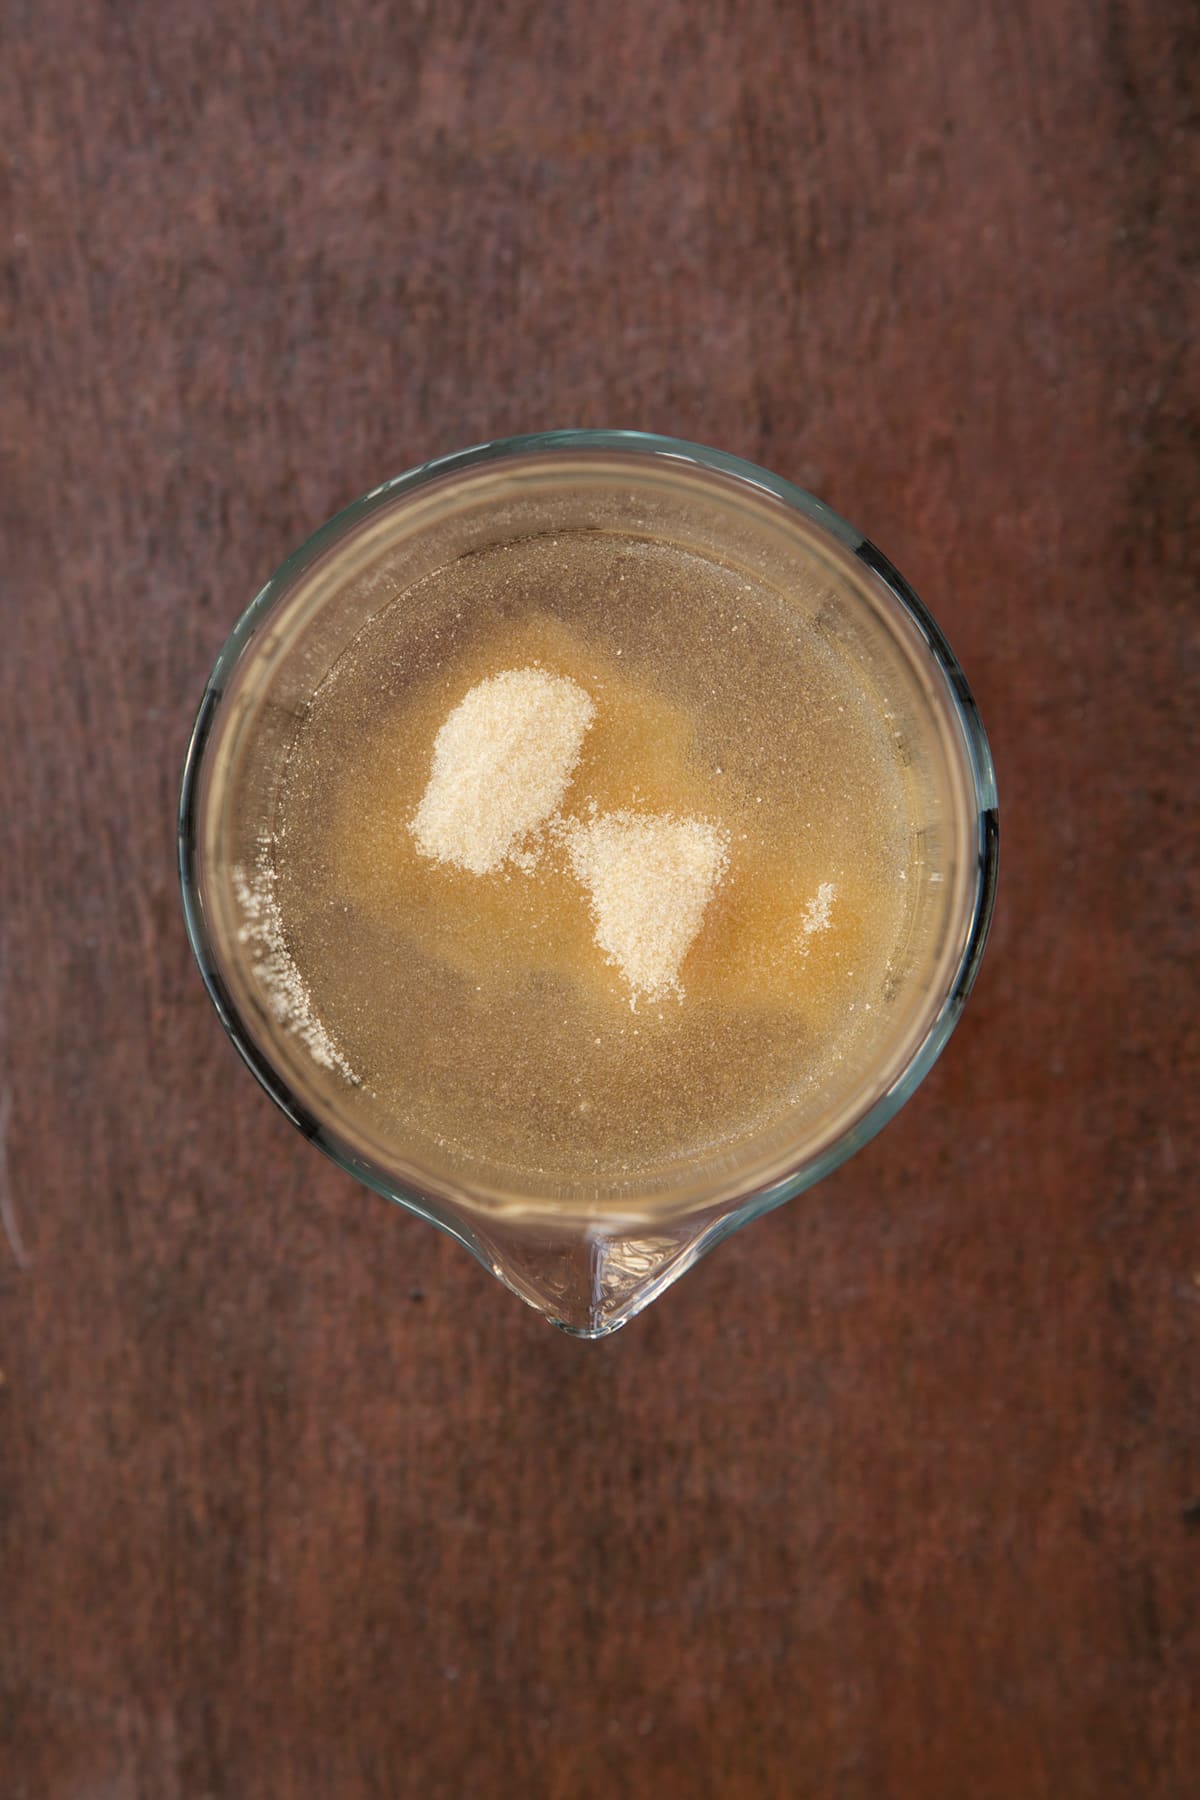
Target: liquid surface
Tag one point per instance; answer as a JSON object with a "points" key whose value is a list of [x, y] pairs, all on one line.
{"points": [[479, 1009]]}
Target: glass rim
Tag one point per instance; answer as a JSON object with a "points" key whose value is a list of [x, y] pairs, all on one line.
{"points": [[978, 766]]}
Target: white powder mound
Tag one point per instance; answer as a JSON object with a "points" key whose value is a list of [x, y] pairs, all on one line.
{"points": [[501, 765], [818, 913], [650, 878]]}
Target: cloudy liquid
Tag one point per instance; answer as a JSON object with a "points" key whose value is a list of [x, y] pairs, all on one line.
{"points": [[478, 1011]]}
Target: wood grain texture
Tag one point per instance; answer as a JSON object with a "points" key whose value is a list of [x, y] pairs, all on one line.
{"points": [[896, 1497]]}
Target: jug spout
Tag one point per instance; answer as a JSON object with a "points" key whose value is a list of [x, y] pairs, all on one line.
{"points": [[593, 1279]]}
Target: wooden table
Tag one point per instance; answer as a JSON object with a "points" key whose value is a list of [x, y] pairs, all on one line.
{"points": [[899, 1494]]}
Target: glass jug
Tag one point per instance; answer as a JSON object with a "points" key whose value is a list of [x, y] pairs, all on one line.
{"points": [[589, 1260]]}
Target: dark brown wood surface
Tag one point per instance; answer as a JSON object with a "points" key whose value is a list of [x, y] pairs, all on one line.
{"points": [[898, 1495]]}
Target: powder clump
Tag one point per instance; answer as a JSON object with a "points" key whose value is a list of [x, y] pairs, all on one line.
{"points": [[818, 914], [650, 878], [502, 763]]}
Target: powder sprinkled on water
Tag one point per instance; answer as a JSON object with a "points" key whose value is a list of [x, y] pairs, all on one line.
{"points": [[818, 914], [502, 763], [470, 1005], [282, 984], [650, 878]]}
